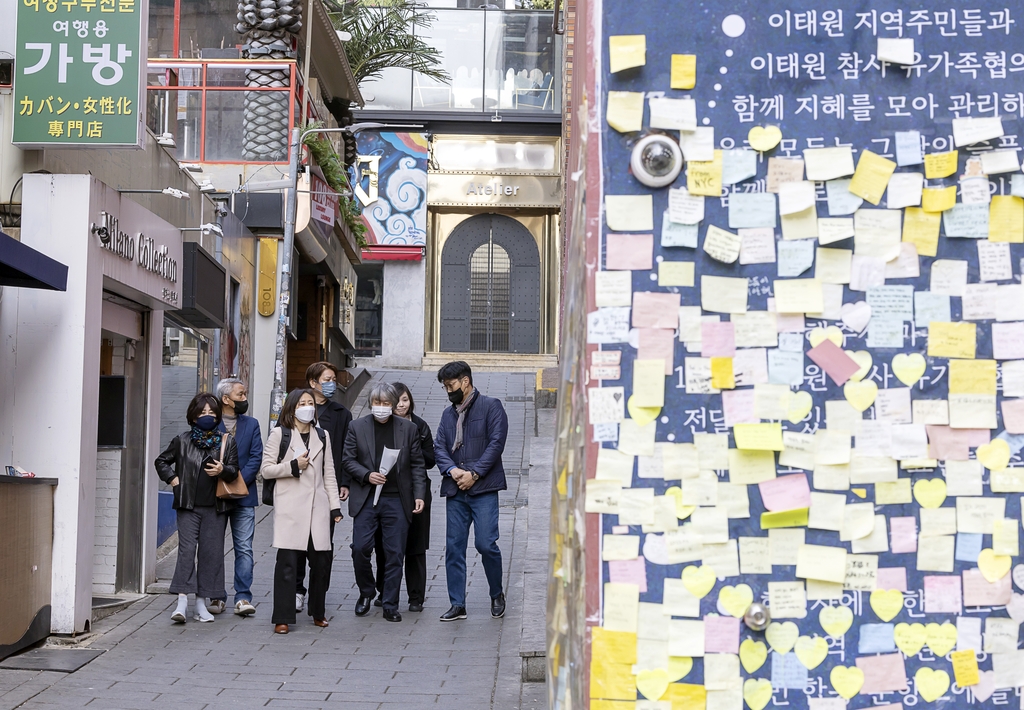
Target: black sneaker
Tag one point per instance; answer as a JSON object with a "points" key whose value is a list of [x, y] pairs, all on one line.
{"points": [[415, 606], [498, 607], [392, 615], [454, 614]]}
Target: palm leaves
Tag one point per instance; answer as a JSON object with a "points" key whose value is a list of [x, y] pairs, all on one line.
{"points": [[384, 35]]}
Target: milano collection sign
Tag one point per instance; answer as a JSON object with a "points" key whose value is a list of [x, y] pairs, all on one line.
{"points": [[141, 249], [80, 68]]}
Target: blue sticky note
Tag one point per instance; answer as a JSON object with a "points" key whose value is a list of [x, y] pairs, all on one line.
{"points": [[876, 638], [788, 672], [785, 368], [908, 148], [969, 221], [1016, 441], [840, 200], [968, 547], [931, 308], [739, 165], [795, 257], [678, 235], [751, 210]]}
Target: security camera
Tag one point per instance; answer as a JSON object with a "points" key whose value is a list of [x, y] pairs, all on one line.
{"points": [[210, 227], [174, 192], [102, 232], [656, 160]]}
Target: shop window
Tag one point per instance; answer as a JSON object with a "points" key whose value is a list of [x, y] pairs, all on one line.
{"points": [[369, 309]]}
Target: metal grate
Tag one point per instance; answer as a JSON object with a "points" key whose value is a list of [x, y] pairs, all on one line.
{"points": [[490, 285]]}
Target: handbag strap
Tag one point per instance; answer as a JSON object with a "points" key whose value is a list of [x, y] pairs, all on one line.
{"points": [[223, 445]]}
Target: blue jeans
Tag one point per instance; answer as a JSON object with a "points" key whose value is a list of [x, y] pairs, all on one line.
{"points": [[462, 509], [243, 529]]}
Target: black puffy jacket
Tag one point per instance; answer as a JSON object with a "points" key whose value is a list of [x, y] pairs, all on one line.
{"points": [[184, 459]]}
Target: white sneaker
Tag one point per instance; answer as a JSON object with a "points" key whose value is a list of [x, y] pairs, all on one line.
{"points": [[203, 619], [300, 601], [178, 617], [216, 606], [244, 608]]}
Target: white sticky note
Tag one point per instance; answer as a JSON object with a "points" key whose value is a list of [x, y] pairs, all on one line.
{"points": [[968, 131], [994, 162], [674, 114], [896, 51], [905, 190], [828, 163], [908, 148]]}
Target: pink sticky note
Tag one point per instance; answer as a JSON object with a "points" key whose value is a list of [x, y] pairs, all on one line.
{"points": [[717, 339], [786, 493], [883, 674], [738, 407], [1013, 415], [978, 591], [627, 252], [657, 344], [1008, 341], [629, 572], [721, 634], [655, 310], [892, 578], [948, 444], [942, 595], [903, 534], [831, 358]]}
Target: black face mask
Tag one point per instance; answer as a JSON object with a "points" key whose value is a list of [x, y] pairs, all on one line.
{"points": [[241, 407], [456, 396]]}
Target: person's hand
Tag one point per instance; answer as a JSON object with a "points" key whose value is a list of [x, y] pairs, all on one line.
{"points": [[174, 482], [302, 461], [214, 468], [343, 493], [465, 481], [336, 514], [377, 478], [418, 508]]}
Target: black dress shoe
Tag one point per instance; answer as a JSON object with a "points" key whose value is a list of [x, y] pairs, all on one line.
{"points": [[454, 614], [415, 606], [363, 606], [379, 601], [392, 615], [498, 607]]}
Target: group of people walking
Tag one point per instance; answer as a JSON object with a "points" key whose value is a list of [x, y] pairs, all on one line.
{"points": [[313, 462]]}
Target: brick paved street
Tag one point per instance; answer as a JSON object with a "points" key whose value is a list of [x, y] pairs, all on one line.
{"points": [[357, 663]]}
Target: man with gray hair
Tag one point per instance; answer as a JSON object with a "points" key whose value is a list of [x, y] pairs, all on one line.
{"points": [[402, 491]]}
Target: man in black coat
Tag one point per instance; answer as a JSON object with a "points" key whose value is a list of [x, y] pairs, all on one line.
{"points": [[334, 418], [402, 492]]}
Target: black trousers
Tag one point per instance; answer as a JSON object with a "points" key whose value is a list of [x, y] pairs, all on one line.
{"points": [[389, 517], [415, 571], [284, 582], [300, 574]]}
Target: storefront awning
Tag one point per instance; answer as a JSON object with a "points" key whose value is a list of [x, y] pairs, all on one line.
{"points": [[24, 267], [379, 252]]}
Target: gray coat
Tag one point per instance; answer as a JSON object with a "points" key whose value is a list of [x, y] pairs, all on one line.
{"points": [[359, 464]]}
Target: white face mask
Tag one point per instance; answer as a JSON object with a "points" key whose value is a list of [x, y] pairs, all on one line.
{"points": [[381, 412], [305, 414]]}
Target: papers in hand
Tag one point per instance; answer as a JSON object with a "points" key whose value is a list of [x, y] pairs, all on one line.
{"points": [[387, 461]]}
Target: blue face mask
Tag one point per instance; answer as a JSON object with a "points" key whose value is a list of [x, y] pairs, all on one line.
{"points": [[206, 423], [328, 388]]}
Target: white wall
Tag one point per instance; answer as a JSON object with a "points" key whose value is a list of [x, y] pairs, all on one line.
{"points": [[104, 544], [402, 326]]}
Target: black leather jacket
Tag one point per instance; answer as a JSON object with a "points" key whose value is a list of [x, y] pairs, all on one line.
{"points": [[184, 459]]}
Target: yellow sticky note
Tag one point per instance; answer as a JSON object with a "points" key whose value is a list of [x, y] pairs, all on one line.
{"points": [[612, 681], [722, 376], [759, 437], [675, 273], [921, 228], [612, 646], [871, 177], [749, 467], [629, 213], [785, 519], [648, 383], [684, 71], [965, 667], [621, 607], [893, 492], [940, 165], [626, 52], [598, 704], [625, 110], [972, 377], [705, 177], [798, 296], [938, 199], [723, 294], [687, 696], [952, 340], [1006, 219]]}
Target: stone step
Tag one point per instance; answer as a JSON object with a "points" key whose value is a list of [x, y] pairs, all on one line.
{"points": [[492, 362]]}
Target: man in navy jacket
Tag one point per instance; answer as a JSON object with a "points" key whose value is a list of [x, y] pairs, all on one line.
{"points": [[468, 446], [234, 399]]}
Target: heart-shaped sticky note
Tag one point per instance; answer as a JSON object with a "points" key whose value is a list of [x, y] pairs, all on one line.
{"points": [[678, 667], [652, 684], [836, 620], [941, 638], [995, 455], [1018, 576], [764, 138], [641, 415], [753, 654], [847, 681], [908, 367], [930, 493], [860, 395], [800, 404], [682, 511], [855, 315], [985, 686], [862, 358], [887, 603], [811, 651], [993, 567], [931, 685], [1016, 608], [757, 692], [781, 636], [736, 600], [910, 638], [698, 580], [817, 336]]}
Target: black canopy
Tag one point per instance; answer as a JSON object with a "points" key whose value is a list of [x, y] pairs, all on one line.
{"points": [[24, 267]]}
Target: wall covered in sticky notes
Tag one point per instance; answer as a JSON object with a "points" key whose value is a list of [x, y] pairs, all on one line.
{"points": [[838, 434]]}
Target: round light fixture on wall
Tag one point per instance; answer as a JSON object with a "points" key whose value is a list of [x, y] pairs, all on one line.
{"points": [[656, 160]]}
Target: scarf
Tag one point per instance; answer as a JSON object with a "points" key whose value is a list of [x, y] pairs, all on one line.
{"points": [[461, 410], [205, 439]]}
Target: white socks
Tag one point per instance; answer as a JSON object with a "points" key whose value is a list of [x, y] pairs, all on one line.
{"points": [[202, 613], [179, 611]]}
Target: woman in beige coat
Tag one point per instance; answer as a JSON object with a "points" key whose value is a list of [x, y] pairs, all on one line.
{"points": [[305, 500]]}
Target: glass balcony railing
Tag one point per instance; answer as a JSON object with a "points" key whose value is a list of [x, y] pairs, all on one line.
{"points": [[498, 60]]}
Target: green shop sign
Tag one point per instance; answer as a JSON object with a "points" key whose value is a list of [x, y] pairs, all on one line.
{"points": [[79, 73]]}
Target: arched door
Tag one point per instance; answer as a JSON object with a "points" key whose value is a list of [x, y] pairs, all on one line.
{"points": [[490, 287]]}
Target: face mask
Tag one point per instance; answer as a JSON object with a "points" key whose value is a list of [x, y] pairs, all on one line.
{"points": [[241, 407], [207, 422], [456, 396], [381, 412], [305, 414], [327, 389]]}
